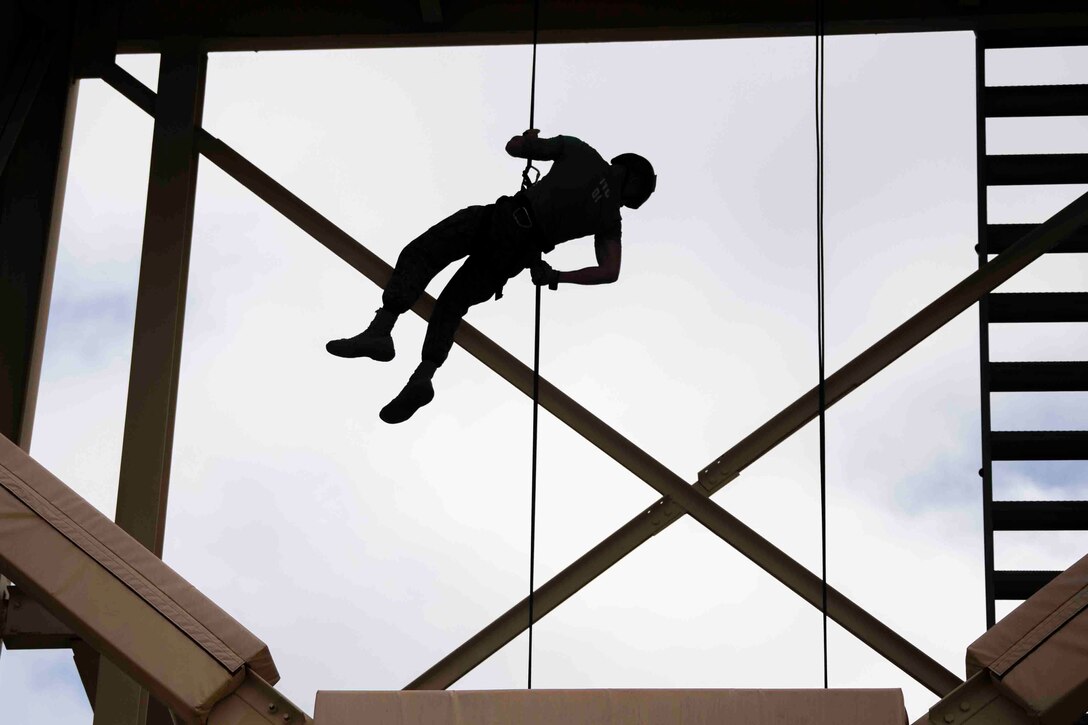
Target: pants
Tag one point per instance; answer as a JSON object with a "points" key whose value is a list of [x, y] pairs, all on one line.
{"points": [[497, 250]]}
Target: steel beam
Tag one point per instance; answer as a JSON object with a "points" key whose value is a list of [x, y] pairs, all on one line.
{"points": [[893, 345], [430, 11], [983, 248], [160, 301], [86, 662], [290, 25], [156, 349], [748, 542], [36, 138], [729, 465], [255, 702], [24, 69], [25, 624], [978, 701]]}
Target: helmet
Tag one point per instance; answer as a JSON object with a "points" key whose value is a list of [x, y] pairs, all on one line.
{"points": [[640, 182]]}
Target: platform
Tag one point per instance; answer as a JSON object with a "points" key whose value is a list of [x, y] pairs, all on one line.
{"points": [[612, 707]]}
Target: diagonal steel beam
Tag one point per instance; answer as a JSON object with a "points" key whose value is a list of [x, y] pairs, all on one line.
{"points": [[748, 542], [897, 342]]}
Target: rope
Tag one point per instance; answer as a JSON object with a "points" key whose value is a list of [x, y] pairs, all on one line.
{"points": [[820, 314], [525, 184]]}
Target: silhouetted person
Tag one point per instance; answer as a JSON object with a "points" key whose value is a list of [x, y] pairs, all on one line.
{"points": [[580, 195]]}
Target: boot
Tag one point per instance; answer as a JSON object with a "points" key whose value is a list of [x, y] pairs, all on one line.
{"points": [[417, 392], [374, 342]]}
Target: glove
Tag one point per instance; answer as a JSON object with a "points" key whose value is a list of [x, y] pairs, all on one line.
{"points": [[543, 274]]}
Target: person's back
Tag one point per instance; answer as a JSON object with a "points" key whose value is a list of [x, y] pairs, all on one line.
{"points": [[579, 196]]}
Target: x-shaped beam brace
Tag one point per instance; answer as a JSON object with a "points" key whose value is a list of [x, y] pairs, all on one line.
{"points": [[678, 496]]}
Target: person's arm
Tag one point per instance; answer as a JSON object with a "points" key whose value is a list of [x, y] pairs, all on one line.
{"points": [[606, 271], [529, 145]]}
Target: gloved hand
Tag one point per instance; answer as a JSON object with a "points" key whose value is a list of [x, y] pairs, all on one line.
{"points": [[543, 274]]}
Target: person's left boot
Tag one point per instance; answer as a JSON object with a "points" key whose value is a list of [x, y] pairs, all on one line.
{"points": [[417, 392], [375, 342]]}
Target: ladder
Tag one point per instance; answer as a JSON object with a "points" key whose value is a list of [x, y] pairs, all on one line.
{"points": [[1026, 308]]}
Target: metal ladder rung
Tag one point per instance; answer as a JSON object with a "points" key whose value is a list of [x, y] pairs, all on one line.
{"points": [[1040, 515], [1035, 101], [1039, 445], [1038, 306], [1038, 376], [1029, 169], [1020, 584], [1033, 38], [1000, 237]]}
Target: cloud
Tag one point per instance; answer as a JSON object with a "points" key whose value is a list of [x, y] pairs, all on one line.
{"points": [[41, 686]]}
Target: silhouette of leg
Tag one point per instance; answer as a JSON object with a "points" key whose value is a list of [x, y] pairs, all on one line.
{"points": [[441, 245], [476, 281]]}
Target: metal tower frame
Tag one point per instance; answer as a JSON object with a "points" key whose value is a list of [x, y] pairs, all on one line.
{"points": [[55, 46]]}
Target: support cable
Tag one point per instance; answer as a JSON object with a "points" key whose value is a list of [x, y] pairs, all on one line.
{"points": [[822, 387], [526, 182]]}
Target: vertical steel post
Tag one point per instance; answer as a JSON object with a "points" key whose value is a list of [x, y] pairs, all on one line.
{"points": [[38, 102], [156, 350], [32, 183], [986, 471]]}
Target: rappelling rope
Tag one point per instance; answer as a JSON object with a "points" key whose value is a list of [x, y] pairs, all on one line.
{"points": [[820, 313], [526, 182]]}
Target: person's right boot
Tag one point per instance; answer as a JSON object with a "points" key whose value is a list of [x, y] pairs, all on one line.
{"points": [[418, 391], [375, 342]]}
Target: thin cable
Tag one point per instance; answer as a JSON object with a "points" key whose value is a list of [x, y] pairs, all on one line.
{"points": [[532, 514], [820, 314], [525, 184]]}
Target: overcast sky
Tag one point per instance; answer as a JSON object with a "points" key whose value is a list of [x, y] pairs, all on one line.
{"points": [[362, 553]]}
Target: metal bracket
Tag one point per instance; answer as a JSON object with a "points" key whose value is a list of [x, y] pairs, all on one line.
{"points": [[256, 702], [712, 483], [25, 624], [978, 702]]}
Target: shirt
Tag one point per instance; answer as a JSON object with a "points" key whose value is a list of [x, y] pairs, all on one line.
{"points": [[577, 197]]}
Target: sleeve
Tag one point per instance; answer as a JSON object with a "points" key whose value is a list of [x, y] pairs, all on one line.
{"points": [[610, 228], [538, 149]]}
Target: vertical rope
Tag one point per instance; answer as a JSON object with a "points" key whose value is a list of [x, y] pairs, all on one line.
{"points": [[820, 314], [525, 184], [532, 513]]}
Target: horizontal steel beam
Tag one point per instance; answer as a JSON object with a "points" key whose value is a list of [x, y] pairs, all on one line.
{"points": [[288, 24], [729, 528]]}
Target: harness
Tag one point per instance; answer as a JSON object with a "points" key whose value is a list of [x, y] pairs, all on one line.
{"points": [[525, 228]]}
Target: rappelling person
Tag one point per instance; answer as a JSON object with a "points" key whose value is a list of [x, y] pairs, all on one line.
{"points": [[581, 195]]}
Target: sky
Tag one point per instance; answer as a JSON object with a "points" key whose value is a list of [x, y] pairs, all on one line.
{"points": [[362, 553]]}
